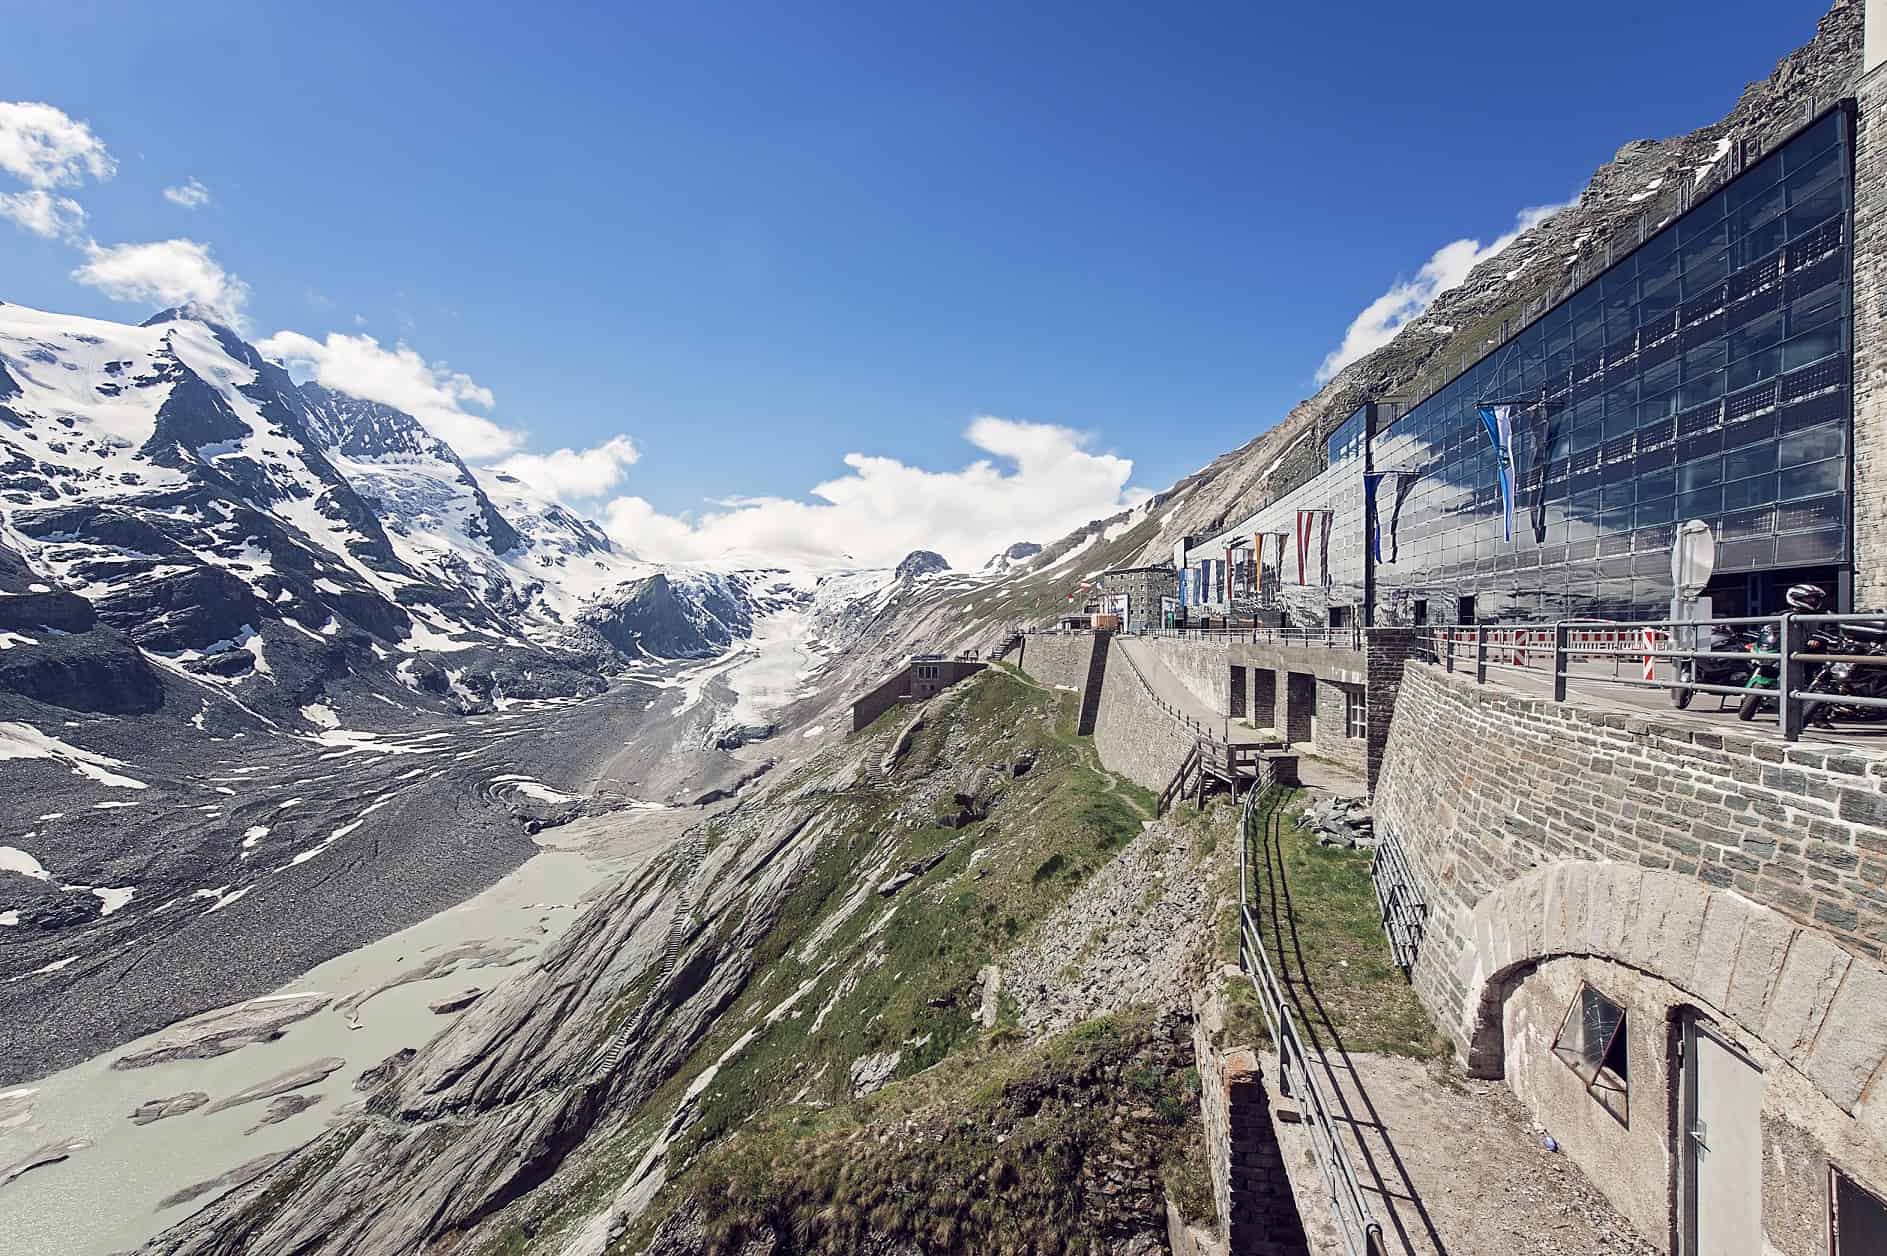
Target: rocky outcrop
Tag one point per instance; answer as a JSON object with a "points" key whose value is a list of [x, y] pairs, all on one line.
{"points": [[920, 563], [224, 1030]]}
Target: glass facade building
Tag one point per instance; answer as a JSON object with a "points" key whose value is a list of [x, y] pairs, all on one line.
{"points": [[1705, 375]]}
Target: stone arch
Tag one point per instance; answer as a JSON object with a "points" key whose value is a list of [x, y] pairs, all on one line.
{"points": [[1814, 1004]]}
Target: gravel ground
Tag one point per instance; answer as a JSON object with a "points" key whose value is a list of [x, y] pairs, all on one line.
{"points": [[1122, 939], [1455, 1168]]}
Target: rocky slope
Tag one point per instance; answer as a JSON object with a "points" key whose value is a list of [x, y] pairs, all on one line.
{"points": [[804, 953]]}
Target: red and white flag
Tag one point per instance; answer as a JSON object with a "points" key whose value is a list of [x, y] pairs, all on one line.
{"points": [[1306, 519]]}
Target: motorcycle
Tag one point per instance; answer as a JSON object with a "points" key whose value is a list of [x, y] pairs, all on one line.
{"points": [[1862, 679], [1730, 673]]}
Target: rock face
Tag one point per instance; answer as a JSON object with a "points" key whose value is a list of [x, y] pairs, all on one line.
{"points": [[158, 1109], [278, 539], [224, 1030], [661, 617], [920, 563], [282, 1083]]}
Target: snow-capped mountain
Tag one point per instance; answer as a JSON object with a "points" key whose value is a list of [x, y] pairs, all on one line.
{"points": [[192, 512]]}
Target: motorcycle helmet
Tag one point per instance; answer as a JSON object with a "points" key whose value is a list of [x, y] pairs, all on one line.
{"points": [[1807, 598]]}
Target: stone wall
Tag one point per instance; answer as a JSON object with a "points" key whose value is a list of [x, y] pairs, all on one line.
{"points": [[1250, 1186], [1068, 660], [1870, 342], [1136, 737], [1331, 733], [1483, 786], [1684, 872]]}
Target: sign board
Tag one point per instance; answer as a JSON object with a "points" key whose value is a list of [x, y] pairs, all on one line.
{"points": [[1693, 557]]}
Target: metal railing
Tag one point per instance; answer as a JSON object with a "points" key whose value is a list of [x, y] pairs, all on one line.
{"points": [[1404, 914], [1362, 1233], [1550, 650], [1347, 637], [1183, 717]]}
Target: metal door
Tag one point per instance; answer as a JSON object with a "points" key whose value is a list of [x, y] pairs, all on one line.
{"points": [[1722, 1146]]}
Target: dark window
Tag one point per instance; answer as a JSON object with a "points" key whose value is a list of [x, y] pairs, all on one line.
{"points": [[1859, 1219], [1592, 1043]]}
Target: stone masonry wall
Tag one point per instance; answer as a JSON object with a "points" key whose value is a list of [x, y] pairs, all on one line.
{"points": [[1870, 342], [1331, 734], [1250, 1187], [1068, 660], [1135, 736], [1483, 787]]}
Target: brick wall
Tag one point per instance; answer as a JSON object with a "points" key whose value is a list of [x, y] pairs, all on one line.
{"points": [[1484, 787], [1870, 343], [1250, 1187]]}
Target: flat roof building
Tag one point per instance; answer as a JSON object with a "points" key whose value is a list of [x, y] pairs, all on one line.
{"points": [[1705, 374]]}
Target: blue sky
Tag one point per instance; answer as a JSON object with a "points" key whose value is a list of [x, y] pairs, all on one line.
{"points": [[756, 238]]}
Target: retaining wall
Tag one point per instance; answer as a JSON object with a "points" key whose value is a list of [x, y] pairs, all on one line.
{"points": [[1685, 872], [1136, 737], [1484, 786], [1068, 660]]}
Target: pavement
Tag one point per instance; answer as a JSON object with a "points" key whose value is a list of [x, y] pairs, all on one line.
{"points": [[1593, 689]]}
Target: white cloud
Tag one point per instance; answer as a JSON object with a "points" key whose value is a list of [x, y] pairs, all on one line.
{"points": [[163, 272], [44, 148], [43, 214], [1407, 299], [575, 474], [431, 392], [884, 509], [190, 195]]}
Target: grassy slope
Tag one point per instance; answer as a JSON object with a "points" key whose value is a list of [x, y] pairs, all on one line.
{"points": [[1337, 952], [897, 975]]}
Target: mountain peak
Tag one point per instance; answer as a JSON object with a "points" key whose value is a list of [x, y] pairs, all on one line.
{"points": [[189, 311], [919, 563]]}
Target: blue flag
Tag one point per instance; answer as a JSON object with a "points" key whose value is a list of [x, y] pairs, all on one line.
{"points": [[1372, 480], [1499, 422]]}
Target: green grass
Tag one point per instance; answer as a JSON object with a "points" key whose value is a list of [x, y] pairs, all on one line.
{"points": [[906, 983], [1340, 954], [983, 1153]]}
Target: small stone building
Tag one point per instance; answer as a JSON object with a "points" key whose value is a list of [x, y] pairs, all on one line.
{"points": [[923, 676], [1135, 593]]}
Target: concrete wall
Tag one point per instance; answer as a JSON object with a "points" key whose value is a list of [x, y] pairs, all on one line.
{"points": [[1683, 871], [1589, 1133], [907, 686], [1201, 664]]}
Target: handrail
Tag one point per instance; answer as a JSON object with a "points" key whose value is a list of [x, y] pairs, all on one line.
{"points": [[1513, 647], [1147, 686], [1361, 1232]]}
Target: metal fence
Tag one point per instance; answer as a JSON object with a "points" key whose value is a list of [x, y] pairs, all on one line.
{"points": [[1348, 637], [1362, 1233], [1404, 914], [1791, 648]]}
